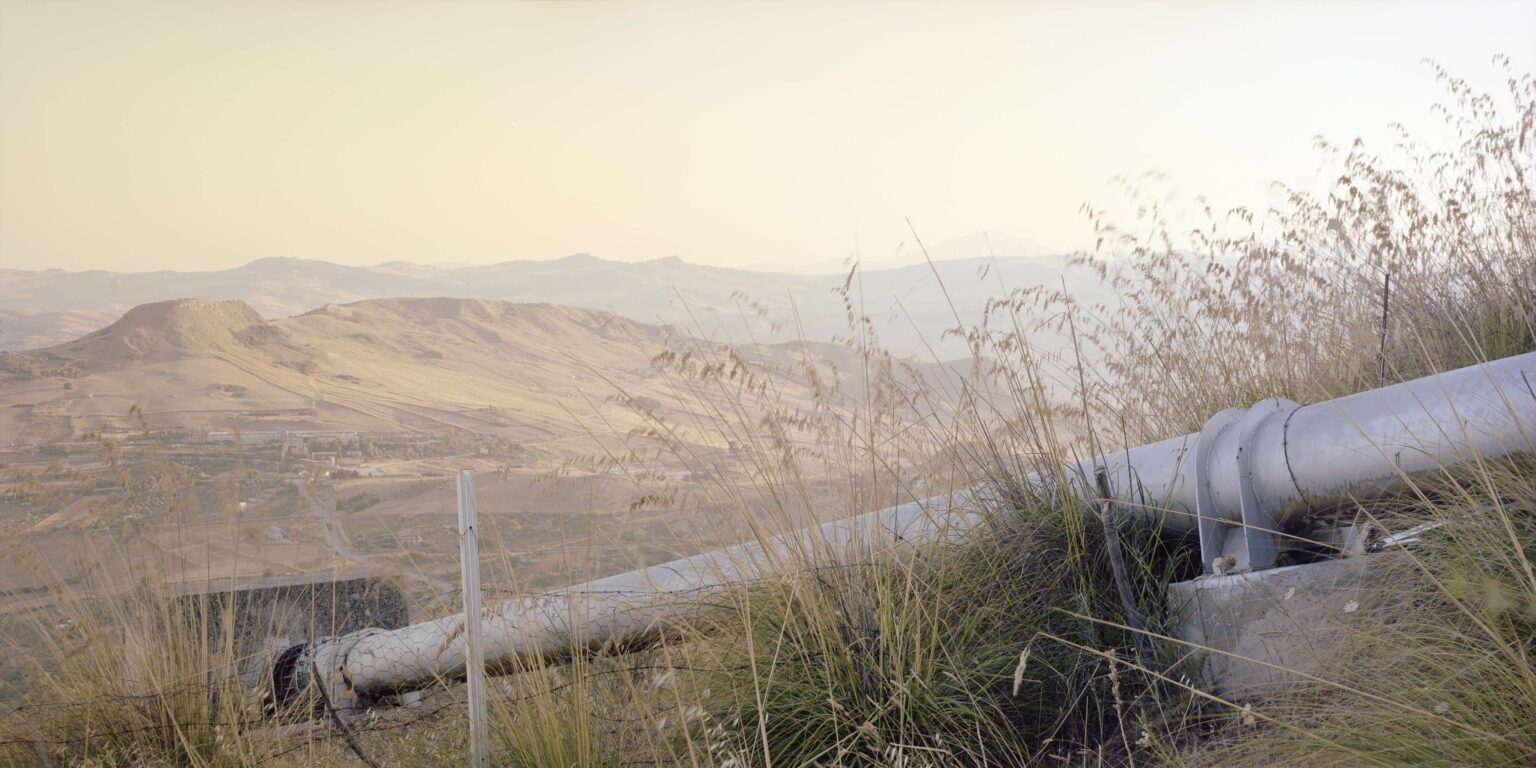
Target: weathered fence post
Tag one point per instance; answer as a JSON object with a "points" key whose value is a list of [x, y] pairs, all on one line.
{"points": [[474, 650]]}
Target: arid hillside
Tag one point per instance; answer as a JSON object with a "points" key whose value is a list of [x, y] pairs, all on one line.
{"points": [[331, 438], [524, 372]]}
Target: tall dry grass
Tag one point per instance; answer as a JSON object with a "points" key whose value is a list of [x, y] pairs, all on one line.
{"points": [[118, 671], [1289, 300]]}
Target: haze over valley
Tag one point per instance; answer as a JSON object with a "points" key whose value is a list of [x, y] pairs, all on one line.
{"points": [[910, 306]]}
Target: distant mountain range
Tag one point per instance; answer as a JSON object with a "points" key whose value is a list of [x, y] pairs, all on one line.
{"points": [[909, 307]]}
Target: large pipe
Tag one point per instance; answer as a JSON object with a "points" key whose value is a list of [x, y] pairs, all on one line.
{"points": [[626, 609], [1247, 475]]}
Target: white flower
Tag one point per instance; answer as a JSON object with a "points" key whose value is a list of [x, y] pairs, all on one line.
{"points": [[1442, 708], [1289, 593], [1352, 606], [1248, 718]]}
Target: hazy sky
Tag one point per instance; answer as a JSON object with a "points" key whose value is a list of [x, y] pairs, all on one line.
{"points": [[198, 135]]}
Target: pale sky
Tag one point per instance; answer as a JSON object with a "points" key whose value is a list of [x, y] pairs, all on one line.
{"points": [[202, 135]]}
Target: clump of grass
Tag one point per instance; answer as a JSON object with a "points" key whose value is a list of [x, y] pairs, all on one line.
{"points": [[115, 673], [129, 678], [127, 666], [931, 659], [601, 710]]}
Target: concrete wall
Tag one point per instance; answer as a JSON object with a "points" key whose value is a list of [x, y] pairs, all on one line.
{"points": [[1298, 618], [264, 614]]}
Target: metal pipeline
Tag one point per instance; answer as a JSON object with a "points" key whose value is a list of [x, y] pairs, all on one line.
{"points": [[1248, 475], [625, 610]]}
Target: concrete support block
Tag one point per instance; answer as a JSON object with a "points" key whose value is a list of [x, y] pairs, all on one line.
{"points": [[299, 606], [1296, 618], [248, 619]]}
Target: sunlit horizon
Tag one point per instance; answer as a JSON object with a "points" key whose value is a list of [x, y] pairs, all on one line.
{"points": [[199, 137]]}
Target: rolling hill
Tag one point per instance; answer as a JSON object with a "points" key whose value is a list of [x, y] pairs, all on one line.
{"points": [[535, 374]]}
